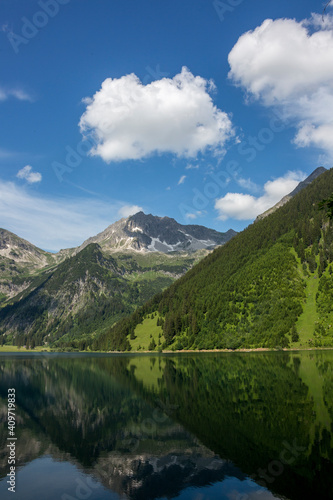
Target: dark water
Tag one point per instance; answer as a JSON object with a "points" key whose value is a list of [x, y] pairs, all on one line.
{"points": [[238, 426]]}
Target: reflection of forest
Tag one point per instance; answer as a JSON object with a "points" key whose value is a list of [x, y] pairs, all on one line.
{"points": [[109, 414]]}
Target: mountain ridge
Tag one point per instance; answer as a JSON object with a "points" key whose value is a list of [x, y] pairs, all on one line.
{"points": [[147, 232], [301, 185]]}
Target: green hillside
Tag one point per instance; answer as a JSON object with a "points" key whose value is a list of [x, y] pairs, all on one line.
{"points": [[70, 305], [270, 286]]}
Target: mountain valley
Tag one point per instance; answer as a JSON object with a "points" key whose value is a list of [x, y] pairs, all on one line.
{"points": [[76, 294]]}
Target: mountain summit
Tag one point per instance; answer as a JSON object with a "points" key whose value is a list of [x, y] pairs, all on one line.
{"points": [[149, 233]]}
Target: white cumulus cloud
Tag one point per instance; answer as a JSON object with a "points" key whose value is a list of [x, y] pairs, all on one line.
{"points": [[130, 120], [246, 207], [182, 180], [128, 210], [288, 64], [28, 174]]}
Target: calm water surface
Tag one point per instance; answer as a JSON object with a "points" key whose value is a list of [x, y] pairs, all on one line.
{"points": [[236, 426]]}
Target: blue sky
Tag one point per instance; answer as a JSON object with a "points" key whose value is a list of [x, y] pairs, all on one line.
{"points": [[206, 111]]}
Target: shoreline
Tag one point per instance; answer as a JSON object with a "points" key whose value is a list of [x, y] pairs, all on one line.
{"points": [[192, 351]]}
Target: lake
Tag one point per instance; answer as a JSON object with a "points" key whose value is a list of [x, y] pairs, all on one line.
{"points": [[205, 426]]}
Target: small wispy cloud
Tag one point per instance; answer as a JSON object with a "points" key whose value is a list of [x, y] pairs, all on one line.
{"points": [[190, 166], [247, 184], [4, 153], [128, 210], [17, 93], [29, 175], [194, 215], [182, 180]]}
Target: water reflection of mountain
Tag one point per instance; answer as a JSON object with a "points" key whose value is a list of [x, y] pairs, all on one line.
{"points": [[124, 418]]}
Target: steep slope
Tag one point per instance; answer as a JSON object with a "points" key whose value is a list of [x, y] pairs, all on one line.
{"points": [[19, 262], [149, 233], [298, 188], [251, 291]]}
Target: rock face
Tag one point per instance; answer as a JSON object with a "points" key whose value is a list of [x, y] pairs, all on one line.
{"points": [[19, 261], [149, 233], [21, 251], [298, 188]]}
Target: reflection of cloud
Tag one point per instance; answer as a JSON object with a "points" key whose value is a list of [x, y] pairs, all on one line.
{"points": [[130, 120], [245, 207]]}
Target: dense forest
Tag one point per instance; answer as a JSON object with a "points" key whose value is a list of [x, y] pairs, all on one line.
{"points": [[252, 292]]}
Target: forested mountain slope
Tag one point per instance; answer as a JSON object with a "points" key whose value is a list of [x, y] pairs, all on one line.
{"points": [[271, 285], [87, 293]]}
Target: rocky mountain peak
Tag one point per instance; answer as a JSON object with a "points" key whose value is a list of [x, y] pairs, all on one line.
{"points": [[150, 233]]}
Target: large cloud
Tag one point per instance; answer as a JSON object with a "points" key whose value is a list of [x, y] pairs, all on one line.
{"points": [[246, 207], [129, 120], [289, 64]]}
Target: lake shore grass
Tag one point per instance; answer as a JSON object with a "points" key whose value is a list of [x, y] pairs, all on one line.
{"points": [[14, 348]]}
